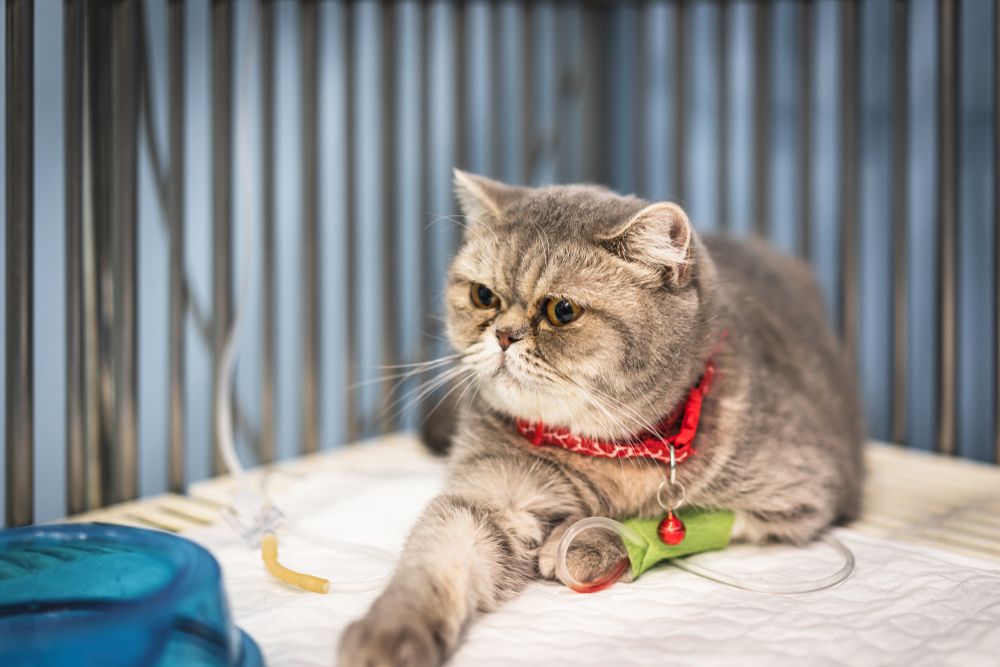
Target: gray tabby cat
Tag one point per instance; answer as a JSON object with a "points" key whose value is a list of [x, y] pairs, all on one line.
{"points": [[593, 311]]}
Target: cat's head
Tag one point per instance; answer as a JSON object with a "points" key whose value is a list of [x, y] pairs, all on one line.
{"points": [[575, 305]]}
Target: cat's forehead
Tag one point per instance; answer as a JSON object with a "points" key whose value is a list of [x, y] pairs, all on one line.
{"points": [[570, 211]]}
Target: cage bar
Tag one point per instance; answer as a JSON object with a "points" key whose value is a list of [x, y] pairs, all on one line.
{"points": [[309, 127], [19, 262], [175, 211], [900, 213], [680, 104], [124, 219], [947, 196], [806, 32], [390, 319], [849, 120], [268, 305], [73, 68], [723, 116], [762, 117], [996, 232], [351, 236], [222, 202]]}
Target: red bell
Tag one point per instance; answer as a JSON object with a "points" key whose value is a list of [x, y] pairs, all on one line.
{"points": [[671, 529]]}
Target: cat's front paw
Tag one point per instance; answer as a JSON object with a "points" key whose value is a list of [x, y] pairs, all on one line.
{"points": [[593, 556], [394, 636]]}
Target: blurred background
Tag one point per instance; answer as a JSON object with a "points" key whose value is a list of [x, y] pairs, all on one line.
{"points": [[158, 151]]}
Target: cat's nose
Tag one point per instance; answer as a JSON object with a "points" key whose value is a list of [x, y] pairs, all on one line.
{"points": [[508, 337]]}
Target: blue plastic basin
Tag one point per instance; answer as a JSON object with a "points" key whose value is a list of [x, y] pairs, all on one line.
{"points": [[95, 594]]}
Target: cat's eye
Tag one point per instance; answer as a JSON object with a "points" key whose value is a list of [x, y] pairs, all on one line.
{"points": [[561, 312], [483, 297]]}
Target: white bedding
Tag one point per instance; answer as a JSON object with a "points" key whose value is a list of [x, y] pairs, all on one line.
{"points": [[905, 605]]}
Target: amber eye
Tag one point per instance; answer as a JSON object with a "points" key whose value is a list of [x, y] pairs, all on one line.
{"points": [[483, 297], [561, 311]]}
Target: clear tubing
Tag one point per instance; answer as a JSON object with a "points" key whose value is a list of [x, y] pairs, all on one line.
{"points": [[784, 588], [630, 536], [627, 534]]}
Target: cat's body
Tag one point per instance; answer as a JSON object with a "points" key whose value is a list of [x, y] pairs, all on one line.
{"points": [[780, 434]]}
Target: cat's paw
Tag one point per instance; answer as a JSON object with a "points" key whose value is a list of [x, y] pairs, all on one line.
{"points": [[394, 636], [593, 556]]}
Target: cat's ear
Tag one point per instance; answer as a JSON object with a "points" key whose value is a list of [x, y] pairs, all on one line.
{"points": [[482, 199], [659, 236]]}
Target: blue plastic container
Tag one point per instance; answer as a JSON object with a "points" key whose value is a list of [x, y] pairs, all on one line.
{"points": [[103, 595]]}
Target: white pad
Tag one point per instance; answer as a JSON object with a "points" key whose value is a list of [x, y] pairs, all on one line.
{"points": [[904, 605]]}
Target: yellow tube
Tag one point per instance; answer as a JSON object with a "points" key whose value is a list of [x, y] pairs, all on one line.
{"points": [[269, 552]]}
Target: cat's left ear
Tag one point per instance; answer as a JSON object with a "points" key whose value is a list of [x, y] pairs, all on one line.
{"points": [[659, 236], [482, 199]]}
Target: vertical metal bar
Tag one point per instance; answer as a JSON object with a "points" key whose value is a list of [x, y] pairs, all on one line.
{"points": [[222, 203], [595, 73], [762, 117], [680, 105], [390, 306], [309, 68], [806, 30], [268, 308], [532, 138], [996, 229], [900, 161], [723, 115], [20, 263], [849, 112], [124, 217], [175, 209], [73, 59], [948, 50], [99, 278], [640, 157], [352, 417]]}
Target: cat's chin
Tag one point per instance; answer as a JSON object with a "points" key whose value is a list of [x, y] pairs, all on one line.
{"points": [[524, 400]]}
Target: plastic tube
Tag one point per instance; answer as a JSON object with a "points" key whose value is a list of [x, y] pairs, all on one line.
{"points": [[269, 552]]}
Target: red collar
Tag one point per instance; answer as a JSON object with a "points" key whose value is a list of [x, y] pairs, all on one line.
{"points": [[677, 429]]}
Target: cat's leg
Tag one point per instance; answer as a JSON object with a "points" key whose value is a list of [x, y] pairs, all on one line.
{"points": [[474, 547], [593, 554], [798, 523]]}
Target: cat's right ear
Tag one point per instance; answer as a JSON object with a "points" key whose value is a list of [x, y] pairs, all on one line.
{"points": [[659, 236], [482, 199]]}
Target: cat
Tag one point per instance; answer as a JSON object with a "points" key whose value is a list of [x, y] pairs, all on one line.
{"points": [[598, 313]]}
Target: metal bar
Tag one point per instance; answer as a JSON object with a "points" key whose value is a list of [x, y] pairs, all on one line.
{"points": [[594, 88], [900, 161], [723, 115], [124, 219], [762, 118], [948, 50], [849, 112], [640, 156], [309, 127], [806, 30], [175, 209], [351, 415], [99, 268], [20, 264], [222, 202], [532, 138], [996, 229], [73, 59], [680, 99], [268, 237], [390, 307]]}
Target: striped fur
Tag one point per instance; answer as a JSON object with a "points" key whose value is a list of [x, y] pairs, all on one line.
{"points": [[781, 431]]}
